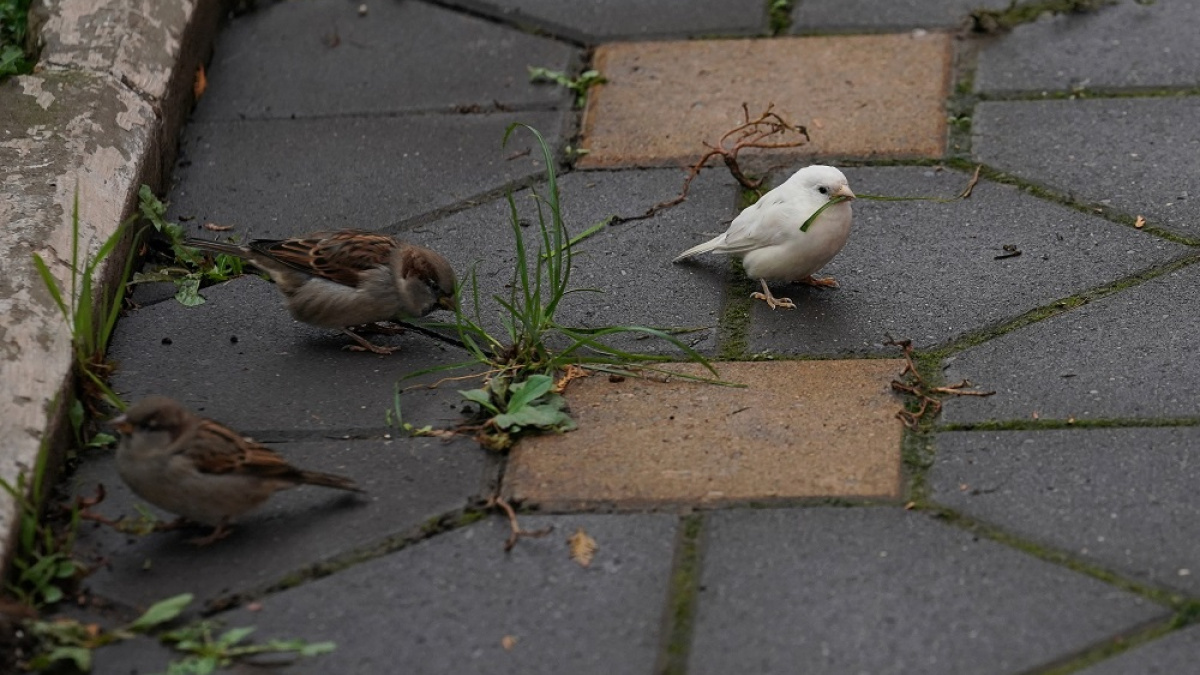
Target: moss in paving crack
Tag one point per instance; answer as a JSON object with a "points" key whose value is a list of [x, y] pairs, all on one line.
{"points": [[681, 601], [432, 527], [1157, 595], [1092, 209], [1057, 307], [1002, 20], [734, 327], [1051, 424], [1113, 646]]}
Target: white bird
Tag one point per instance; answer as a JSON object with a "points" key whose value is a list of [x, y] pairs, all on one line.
{"points": [[767, 236]]}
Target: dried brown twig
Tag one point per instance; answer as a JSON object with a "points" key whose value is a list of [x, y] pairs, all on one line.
{"points": [[751, 133], [516, 531], [928, 403]]}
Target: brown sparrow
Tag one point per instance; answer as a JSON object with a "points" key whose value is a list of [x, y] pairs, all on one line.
{"points": [[767, 235], [199, 469], [350, 278]]}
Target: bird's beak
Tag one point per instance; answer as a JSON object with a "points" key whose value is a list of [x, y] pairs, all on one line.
{"points": [[121, 423], [448, 302], [844, 191]]}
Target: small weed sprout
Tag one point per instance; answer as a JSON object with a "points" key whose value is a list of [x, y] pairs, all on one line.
{"points": [[91, 324], [42, 566], [518, 395], [580, 85], [188, 268]]}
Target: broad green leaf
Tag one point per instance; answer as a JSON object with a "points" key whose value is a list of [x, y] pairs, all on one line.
{"points": [[481, 397], [235, 635], [161, 612], [524, 393], [188, 294]]}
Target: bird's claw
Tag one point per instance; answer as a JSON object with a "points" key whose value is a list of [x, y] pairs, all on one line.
{"points": [[774, 302], [820, 282], [370, 347]]}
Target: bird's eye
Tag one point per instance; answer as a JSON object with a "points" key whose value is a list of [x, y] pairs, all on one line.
{"points": [[823, 190]]}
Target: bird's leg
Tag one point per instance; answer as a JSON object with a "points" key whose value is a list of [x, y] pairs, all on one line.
{"points": [[380, 328], [771, 300], [166, 525], [820, 282], [366, 345], [219, 532]]}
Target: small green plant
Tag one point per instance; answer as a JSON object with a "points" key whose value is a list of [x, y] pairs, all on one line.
{"points": [[91, 324], [189, 268], [206, 652], [515, 407], [42, 566], [65, 640], [14, 25], [780, 14], [580, 85], [517, 396]]}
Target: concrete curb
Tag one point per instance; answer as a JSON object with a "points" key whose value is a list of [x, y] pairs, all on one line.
{"points": [[98, 118]]}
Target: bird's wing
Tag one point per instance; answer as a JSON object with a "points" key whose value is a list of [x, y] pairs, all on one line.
{"points": [[337, 256], [217, 449], [769, 221]]}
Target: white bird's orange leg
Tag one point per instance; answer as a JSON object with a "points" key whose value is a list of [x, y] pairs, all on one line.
{"points": [[366, 345], [771, 300], [820, 282]]}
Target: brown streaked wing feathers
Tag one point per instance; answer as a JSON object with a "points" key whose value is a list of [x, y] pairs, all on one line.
{"points": [[337, 256], [248, 456]]}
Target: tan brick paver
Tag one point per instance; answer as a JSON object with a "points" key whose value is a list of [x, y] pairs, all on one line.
{"points": [[800, 429], [859, 95]]}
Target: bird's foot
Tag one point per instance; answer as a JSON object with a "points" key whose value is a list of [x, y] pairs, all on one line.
{"points": [[379, 328], [219, 532], [771, 300], [820, 282], [167, 525], [774, 302], [365, 345]]}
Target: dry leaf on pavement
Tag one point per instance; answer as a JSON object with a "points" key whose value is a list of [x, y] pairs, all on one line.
{"points": [[508, 642], [582, 546], [200, 84], [1140, 222]]}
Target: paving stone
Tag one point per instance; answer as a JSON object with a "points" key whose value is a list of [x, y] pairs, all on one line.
{"points": [[798, 429], [1127, 45], [928, 271], [279, 375], [1175, 653], [1130, 355], [408, 481], [261, 176], [875, 590], [1131, 155], [445, 605], [866, 96], [629, 262], [1123, 499], [858, 15], [322, 58], [607, 20]]}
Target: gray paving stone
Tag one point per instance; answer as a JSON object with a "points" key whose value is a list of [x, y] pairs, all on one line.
{"points": [[1132, 155], [1131, 354], [1178, 652], [1124, 499], [928, 271], [824, 15], [408, 481], [630, 262], [608, 20], [882, 590], [445, 605], [280, 375], [1128, 45], [139, 656], [321, 58], [265, 178]]}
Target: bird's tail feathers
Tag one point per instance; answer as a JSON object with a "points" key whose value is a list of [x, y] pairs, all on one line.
{"points": [[710, 245], [328, 480], [216, 246]]}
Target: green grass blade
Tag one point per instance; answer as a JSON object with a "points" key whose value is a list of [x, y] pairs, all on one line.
{"points": [[51, 285]]}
